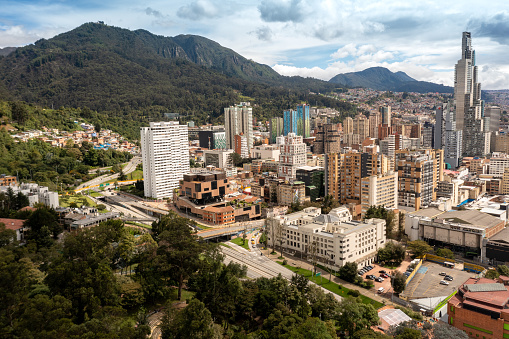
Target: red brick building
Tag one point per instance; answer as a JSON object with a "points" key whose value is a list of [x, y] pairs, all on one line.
{"points": [[481, 308]]}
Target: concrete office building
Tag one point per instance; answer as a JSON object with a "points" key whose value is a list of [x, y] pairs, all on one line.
{"points": [[165, 154], [348, 125], [428, 134], [265, 152], [241, 147], [374, 122], [238, 120], [361, 126], [447, 136], [418, 175], [331, 239]]}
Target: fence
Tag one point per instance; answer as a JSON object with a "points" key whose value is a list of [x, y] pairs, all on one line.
{"points": [[473, 268], [437, 259], [414, 272]]}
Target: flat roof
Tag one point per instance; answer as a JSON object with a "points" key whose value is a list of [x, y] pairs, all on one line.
{"points": [[472, 217], [427, 212], [502, 235]]}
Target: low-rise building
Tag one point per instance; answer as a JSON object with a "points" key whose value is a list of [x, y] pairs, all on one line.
{"points": [[331, 239], [464, 231], [16, 225], [481, 308]]}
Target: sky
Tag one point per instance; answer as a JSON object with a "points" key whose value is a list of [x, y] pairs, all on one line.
{"points": [[311, 38]]}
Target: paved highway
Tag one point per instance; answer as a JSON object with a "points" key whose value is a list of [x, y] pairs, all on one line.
{"points": [[258, 265], [128, 168]]}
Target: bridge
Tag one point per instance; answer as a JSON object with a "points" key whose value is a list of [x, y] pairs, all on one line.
{"points": [[229, 230]]}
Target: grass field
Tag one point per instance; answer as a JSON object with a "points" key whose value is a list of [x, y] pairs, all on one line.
{"points": [[136, 175], [331, 286], [96, 194], [78, 199], [138, 224], [238, 241]]}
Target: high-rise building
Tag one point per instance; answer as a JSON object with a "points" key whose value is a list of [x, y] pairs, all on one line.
{"points": [[466, 88], [418, 175], [328, 139], [292, 155], [165, 154], [348, 125], [239, 119], [344, 173], [374, 121], [297, 121], [276, 129], [241, 146], [385, 113], [428, 134], [289, 122], [361, 126], [303, 121], [447, 136], [379, 190]]}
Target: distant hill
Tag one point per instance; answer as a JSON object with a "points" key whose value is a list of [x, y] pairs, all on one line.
{"points": [[137, 76], [6, 51], [382, 79]]}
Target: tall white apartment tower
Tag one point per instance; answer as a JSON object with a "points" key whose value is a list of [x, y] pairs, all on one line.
{"points": [[292, 155], [238, 120], [165, 155]]}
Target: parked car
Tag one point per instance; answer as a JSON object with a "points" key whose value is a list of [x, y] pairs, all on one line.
{"points": [[383, 275], [448, 278], [406, 274], [442, 273], [379, 279], [381, 290], [410, 269], [382, 271], [443, 282], [371, 276]]}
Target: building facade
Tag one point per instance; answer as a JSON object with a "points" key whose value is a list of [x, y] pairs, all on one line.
{"points": [[165, 154], [380, 190], [418, 175], [239, 120], [292, 155], [276, 129], [330, 239], [328, 139]]}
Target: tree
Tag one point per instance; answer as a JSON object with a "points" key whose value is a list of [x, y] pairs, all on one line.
{"points": [[352, 315], [392, 253], [7, 236], [443, 330], [409, 333], [19, 112], [322, 305], [43, 223], [369, 334], [194, 321], [348, 271], [445, 252], [398, 281], [235, 159], [401, 225], [328, 204], [418, 248], [503, 270], [381, 212], [312, 328]]}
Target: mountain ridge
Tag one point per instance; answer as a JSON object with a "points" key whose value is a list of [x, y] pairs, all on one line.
{"points": [[382, 79]]}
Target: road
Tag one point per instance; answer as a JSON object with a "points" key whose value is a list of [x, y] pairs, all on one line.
{"points": [[258, 265], [128, 168], [127, 212], [230, 229]]}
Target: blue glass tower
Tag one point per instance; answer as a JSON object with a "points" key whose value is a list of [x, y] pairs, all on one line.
{"points": [[289, 122]]}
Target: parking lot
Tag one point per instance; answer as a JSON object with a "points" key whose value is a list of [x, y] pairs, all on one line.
{"points": [[386, 284], [426, 282]]}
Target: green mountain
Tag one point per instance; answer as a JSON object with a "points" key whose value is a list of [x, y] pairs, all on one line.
{"points": [[382, 79], [6, 51], [135, 76]]}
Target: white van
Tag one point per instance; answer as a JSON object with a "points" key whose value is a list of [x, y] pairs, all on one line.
{"points": [[381, 290]]}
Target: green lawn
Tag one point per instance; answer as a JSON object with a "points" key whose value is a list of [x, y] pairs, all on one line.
{"points": [[78, 199], [225, 245], [136, 175], [238, 241], [138, 224], [96, 194], [329, 285]]}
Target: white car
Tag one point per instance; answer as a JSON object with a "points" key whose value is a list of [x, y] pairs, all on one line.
{"points": [[443, 282]]}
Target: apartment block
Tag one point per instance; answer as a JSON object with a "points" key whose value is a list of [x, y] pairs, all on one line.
{"points": [[238, 120], [328, 139], [418, 175], [291, 193], [165, 154], [292, 155], [379, 190]]}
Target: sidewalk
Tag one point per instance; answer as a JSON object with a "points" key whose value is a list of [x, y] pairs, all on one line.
{"points": [[298, 262]]}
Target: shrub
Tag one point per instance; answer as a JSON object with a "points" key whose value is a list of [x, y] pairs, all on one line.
{"points": [[354, 293]]}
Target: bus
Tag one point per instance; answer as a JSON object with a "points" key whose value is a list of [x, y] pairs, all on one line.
{"points": [[448, 264]]}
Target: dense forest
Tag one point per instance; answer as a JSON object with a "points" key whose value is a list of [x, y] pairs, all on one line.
{"points": [[107, 281], [121, 77]]}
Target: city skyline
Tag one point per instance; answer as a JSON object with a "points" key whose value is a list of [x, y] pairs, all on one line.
{"points": [[298, 37]]}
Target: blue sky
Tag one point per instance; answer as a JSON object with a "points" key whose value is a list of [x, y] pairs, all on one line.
{"points": [[315, 38]]}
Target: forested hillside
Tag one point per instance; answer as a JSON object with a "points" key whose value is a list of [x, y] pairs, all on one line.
{"points": [[136, 76]]}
